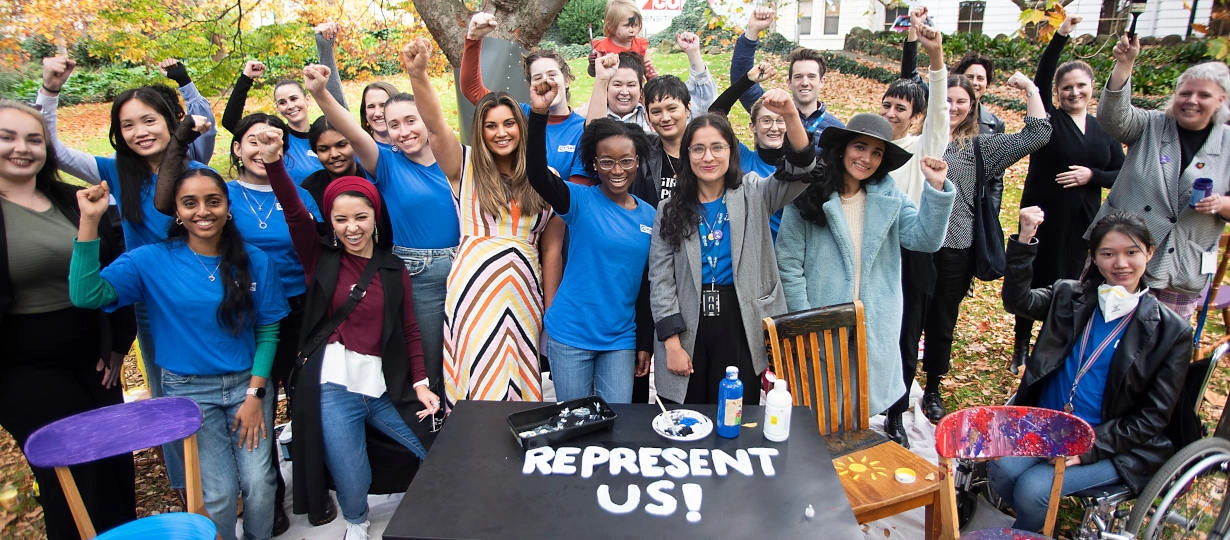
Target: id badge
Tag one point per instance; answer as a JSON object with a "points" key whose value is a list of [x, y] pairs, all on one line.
{"points": [[1208, 262], [710, 303]]}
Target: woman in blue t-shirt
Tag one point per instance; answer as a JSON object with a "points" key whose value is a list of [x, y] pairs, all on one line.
{"points": [[142, 122], [592, 339], [216, 301], [419, 199], [1109, 352]]}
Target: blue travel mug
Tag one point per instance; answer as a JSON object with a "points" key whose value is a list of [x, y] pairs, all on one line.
{"points": [[1201, 188]]}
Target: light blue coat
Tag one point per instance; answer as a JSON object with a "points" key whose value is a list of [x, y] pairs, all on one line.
{"points": [[817, 267]]}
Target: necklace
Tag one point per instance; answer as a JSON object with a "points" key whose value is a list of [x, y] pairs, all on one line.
{"points": [[714, 230], [262, 223], [212, 275]]}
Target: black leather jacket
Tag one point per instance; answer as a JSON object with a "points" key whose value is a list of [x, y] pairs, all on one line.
{"points": [[1146, 373]]}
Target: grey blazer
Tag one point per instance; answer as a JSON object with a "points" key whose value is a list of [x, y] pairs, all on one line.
{"points": [[675, 282], [1151, 185]]}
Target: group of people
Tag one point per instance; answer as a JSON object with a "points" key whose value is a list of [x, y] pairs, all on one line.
{"points": [[381, 271]]}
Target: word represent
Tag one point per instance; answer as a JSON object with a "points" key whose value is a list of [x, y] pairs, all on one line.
{"points": [[650, 462]]}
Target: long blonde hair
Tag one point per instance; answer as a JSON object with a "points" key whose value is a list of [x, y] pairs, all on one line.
{"points": [[493, 189]]}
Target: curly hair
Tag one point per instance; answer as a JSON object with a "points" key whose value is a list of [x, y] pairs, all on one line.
{"points": [[682, 210]]}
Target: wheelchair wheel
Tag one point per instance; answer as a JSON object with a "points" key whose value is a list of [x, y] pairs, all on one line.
{"points": [[1185, 498]]}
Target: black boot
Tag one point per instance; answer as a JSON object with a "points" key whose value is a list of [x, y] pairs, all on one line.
{"points": [[933, 406], [895, 431]]}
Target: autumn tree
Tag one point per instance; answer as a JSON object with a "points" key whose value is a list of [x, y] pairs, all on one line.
{"points": [[521, 21]]}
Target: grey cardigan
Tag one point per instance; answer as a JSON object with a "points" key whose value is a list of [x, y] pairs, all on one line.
{"points": [[1151, 185], [675, 282]]}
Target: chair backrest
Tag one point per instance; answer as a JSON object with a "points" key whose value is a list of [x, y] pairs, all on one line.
{"points": [[114, 430], [1001, 431], [822, 353], [1006, 430]]}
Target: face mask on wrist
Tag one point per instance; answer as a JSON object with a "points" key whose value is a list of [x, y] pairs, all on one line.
{"points": [[1115, 301]]}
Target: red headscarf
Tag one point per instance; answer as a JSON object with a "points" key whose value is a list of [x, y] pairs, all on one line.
{"points": [[350, 183]]}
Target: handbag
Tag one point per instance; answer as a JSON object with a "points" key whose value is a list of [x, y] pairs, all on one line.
{"points": [[990, 260]]}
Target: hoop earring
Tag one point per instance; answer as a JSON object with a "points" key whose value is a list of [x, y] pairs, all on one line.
{"points": [[230, 216], [179, 222], [375, 235]]}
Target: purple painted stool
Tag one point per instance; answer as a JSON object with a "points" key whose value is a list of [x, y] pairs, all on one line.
{"points": [[1003, 431], [1002, 534], [114, 430], [173, 526]]}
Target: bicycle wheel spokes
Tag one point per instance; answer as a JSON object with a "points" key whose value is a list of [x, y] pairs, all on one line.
{"points": [[1191, 507]]}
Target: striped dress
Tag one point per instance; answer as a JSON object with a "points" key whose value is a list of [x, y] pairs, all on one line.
{"points": [[493, 307]]}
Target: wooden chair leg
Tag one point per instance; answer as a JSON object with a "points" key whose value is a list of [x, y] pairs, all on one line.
{"points": [[947, 506], [1052, 507], [931, 522], [81, 517], [192, 476]]}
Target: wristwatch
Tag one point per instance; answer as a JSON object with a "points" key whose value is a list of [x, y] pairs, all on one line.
{"points": [[258, 392]]}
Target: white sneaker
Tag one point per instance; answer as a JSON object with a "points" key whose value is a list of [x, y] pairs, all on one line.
{"points": [[357, 531]]}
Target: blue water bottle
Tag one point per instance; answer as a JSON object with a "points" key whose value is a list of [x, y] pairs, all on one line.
{"points": [[730, 404]]}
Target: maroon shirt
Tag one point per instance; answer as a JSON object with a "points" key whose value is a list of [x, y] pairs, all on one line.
{"points": [[360, 332]]}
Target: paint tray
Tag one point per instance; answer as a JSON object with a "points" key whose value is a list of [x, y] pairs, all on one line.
{"points": [[553, 424]]}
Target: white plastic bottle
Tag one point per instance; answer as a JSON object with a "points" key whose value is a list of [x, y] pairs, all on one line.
{"points": [[777, 412]]}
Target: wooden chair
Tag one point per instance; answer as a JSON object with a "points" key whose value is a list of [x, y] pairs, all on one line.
{"points": [[114, 430], [822, 353], [1004, 431]]}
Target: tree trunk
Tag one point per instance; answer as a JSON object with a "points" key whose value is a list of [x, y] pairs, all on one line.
{"points": [[521, 21]]}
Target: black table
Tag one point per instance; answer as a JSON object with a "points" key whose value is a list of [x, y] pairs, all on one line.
{"points": [[472, 484]]}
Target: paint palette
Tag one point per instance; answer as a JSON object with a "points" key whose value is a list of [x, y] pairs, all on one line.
{"points": [[684, 425]]}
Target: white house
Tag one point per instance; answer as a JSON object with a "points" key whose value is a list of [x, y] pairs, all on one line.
{"points": [[823, 24]]}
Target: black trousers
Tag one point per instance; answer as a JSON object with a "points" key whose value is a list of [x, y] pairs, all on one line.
{"points": [[917, 288], [954, 268], [283, 361], [720, 342], [49, 361]]}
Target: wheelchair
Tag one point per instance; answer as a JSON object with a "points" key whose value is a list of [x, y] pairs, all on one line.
{"points": [[1186, 497]]}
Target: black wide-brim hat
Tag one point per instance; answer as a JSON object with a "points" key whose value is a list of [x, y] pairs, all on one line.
{"points": [[871, 125]]}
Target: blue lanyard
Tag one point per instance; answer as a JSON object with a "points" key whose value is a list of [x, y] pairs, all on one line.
{"points": [[712, 234]]}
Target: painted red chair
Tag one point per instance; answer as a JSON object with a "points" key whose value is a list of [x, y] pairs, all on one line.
{"points": [[114, 430], [1008, 431]]}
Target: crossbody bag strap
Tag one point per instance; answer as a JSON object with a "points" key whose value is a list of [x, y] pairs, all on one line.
{"points": [[326, 328], [980, 172]]}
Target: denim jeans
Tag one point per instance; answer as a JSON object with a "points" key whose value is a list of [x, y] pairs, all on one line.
{"points": [[579, 373], [1025, 485], [428, 270], [226, 469], [172, 452], [342, 417]]}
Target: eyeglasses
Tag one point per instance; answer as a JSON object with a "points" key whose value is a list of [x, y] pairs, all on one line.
{"points": [[770, 122], [718, 149], [608, 164]]}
